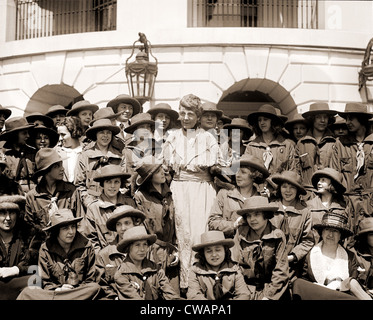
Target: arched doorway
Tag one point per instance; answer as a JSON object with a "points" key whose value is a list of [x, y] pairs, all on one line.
{"points": [[247, 95], [50, 95]]}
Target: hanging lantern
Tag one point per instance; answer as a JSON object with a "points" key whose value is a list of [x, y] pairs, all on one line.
{"points": [[141, 73]]}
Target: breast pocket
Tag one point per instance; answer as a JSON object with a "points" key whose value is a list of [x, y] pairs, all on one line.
{"points": [[346, 164], [370, 161]]}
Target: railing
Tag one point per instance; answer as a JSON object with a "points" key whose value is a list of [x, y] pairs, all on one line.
{"points": [[254, 13], [43, 18]]}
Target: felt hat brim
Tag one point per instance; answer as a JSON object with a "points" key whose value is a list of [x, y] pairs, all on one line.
{"points": [[91, 132], [278, 179], [315, 112], [226, 242], [132, 128], [174, 115], [63, 223], [111, 222], [6, 134], [122, 245], [73, 112], [127, 100], [253, 117], [141, 180]]}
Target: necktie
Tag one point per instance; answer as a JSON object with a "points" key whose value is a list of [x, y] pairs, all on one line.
{"points": [[267, 157], [284, 225], [218, 288], [359, 159]]}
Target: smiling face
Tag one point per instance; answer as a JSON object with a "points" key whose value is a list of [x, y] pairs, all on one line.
{"points": [[127, 112], [111, 187], [86, 117], [323, 185], [42, 141], [67, 234], [104, 138], [188, 118], [65, 136], [8, 219], [214, 255], [288, 193]]}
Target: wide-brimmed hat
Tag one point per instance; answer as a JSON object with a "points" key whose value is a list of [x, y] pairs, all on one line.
{"points": [[111, 171], [32, 117], [44, 158], [14, 124], [52, 134], [225, 119], [265, 110], [318, 108], [80, 106], [296, 118], [338, 122], [283, 117], [146, 168], [5, 111], [139, 119], [239, 123], [213, 238], [290, 177], [335, 220], [211, 107], [257, 203], [135, 234], [99, 125], [355, 108], [365, 226], [12, 202], [248, 160], [104, 113], [56, 109], [125, 98], [60, 218], [122, 212], [335, 176], [163, 108]]}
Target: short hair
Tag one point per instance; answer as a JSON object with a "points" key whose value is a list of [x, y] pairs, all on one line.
{"points": [[200, 256], [256, 175], [278, 194], [193, 103], [74, 126]]}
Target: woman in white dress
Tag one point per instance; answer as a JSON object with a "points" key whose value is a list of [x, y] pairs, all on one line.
{"points": [[70, 132], [189, 153]]}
